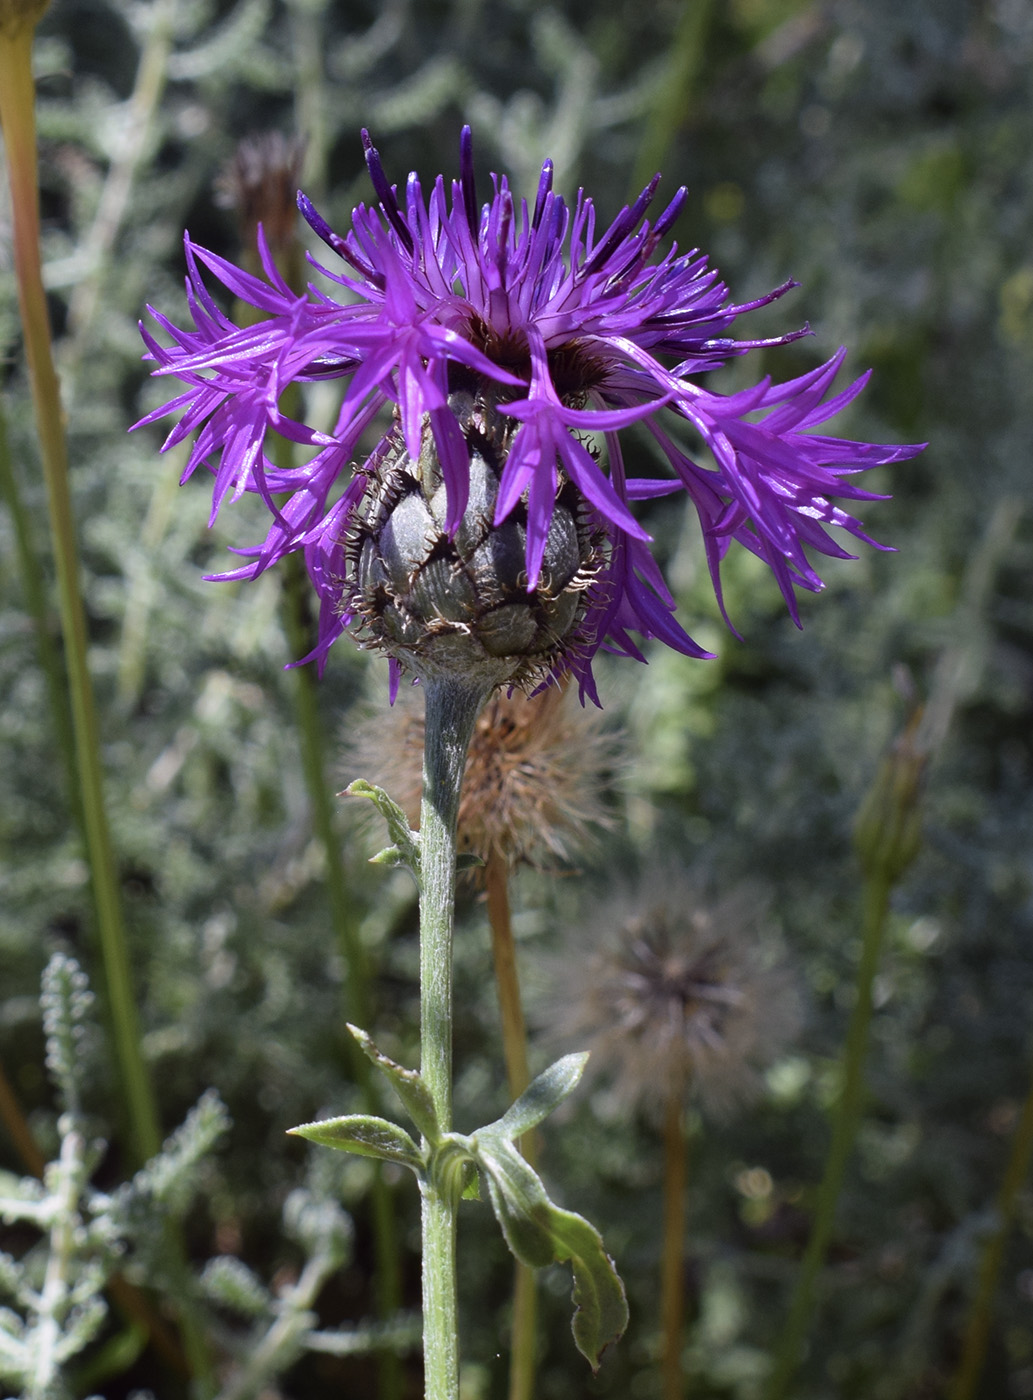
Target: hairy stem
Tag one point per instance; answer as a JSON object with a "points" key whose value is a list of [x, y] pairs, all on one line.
{"points": [[514, 1046], [451, 710]]}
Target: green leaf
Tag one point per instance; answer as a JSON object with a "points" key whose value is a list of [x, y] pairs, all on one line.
{"points": [[390, 855], [539, 1232], [366, 1135], [406, 841], [541, 1096], [471, 1183], [467, 860], [408, 1085]]}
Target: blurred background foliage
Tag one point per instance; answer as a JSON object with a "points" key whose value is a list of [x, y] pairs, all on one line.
{"points": [[879, 153]]}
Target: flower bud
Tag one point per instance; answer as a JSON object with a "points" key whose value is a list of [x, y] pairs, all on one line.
{"points": [[888, 830], [446, 604]]}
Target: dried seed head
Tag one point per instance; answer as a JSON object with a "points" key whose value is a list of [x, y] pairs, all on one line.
{"points": [[442, 603], [682, 1000], [260, 181], [534, 779]]}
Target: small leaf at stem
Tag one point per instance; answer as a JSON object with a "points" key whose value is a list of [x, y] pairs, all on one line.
{"points": [[390, 855], [541, 1096], [467, 860], [408, 1085], [406, 841], [538, 1232], [365, 1135], [471, 1183]]}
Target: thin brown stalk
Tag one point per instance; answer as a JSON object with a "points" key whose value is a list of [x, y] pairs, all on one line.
{"points": [[17, 1125], [514, 1046], [980, 1318], [672, 1263]]}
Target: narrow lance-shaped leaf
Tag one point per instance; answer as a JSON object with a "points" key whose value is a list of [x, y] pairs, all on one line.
{"points": [[408, 1085], [541, 1096], [366, 1135]]}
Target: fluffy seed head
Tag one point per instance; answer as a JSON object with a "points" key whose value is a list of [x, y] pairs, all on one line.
{"points": [[680, 999], [535, 774]]}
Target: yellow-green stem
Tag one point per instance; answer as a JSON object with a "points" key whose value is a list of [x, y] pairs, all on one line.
{"points": [[17, 118], [846, 1116], [18, 121], [33, 578], [674, 92], [977, 1328], [514, 1048], [672, 1263]]}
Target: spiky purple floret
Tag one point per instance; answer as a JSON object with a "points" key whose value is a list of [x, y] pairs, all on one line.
{"points": [[579, 333]]}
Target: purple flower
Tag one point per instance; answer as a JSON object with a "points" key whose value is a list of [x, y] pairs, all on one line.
{"points": [[573, 333]]}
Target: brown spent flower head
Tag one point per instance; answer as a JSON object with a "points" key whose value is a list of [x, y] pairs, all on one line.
{"points": [[534, 779], [19, 15], [260, 181], [682, 1000]]}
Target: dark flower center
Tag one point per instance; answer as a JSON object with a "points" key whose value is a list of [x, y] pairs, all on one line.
{"points": [[573, 369]]}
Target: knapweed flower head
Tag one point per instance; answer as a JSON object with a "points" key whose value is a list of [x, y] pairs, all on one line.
{"points": [[535, 774], [494, 518], [681, 994]]}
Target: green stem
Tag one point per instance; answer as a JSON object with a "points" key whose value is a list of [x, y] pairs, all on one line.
{"points": [[17, 117], [844, 1130], [674, 93], [30, 567], [452, 706], [672, 1264], [18, 120], [977, 1329]]}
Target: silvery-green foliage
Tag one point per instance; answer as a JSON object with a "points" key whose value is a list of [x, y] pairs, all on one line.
{"points": [[66, 1001], [53, 1295], [228, 1283], [284, 1324], [57, 1285]]}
